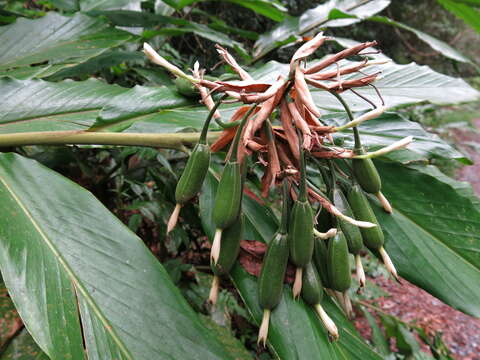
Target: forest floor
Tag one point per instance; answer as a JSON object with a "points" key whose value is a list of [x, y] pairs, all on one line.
{"points": [[461, 333]]}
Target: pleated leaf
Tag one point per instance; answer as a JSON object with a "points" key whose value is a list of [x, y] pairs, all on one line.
{"points": [[73, 268], [60, 41]]}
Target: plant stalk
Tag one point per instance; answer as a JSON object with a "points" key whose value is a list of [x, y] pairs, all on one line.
{"points": [[80, 137]]}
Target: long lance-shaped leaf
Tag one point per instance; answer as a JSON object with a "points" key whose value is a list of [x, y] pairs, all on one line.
{"points": [[73, 268], [61, 41], [332, 13], [433, 235], [295, 330], [399, 85]]}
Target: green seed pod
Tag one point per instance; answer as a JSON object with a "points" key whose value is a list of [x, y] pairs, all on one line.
{"points": [[312, 288], [338, 263], [194, 174], [320, 259], [230, 247], [366, 173], [373, 238], [352, 233], [229, 196], [300, 235], [312, 294], [186, 88], [270, 282]]}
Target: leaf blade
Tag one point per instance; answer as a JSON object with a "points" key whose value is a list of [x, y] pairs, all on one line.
{"points": [[115, 276]]}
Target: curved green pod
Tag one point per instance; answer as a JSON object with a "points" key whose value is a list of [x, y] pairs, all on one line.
{"points": [[270, 281], [300, 234], [194, 174], [230, 247], [186, 88], [229, 196], [352, 233], [373, 238], [312, 288], [320, 259], [338, 263], [366, 173]]}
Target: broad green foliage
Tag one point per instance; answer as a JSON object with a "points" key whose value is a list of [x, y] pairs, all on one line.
{"points": [[78, 277], [324, 15], [465, 11], [58, 40], [433, 235], [68, 248]]}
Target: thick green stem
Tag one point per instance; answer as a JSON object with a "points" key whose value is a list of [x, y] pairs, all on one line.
{"points": [[228, 125], [238, 134], [356, 134], [203, 135], [302, 195], [285, 208], [75, 137]]}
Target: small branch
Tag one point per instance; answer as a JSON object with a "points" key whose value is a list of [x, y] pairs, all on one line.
{"points": [[168, 140]]}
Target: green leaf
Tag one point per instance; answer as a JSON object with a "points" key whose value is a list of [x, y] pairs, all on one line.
{"points": [[36, 105], [100, 62], [378, 339], [87, 5], [434, 232], [438, 45], [56, 40], [470, 15], [200, 30], [67, 5], [225, 336], [23, 347], [333, 13], [406, 342], [73, 269], [126, 108], [268, 8], [391, 127], [295, 331], [399, 85]]}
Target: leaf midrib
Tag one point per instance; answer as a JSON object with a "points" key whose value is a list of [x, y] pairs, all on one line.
{"points": [[107, 326]]}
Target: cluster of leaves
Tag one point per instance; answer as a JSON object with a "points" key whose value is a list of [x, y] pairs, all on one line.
{"points": [[83, 282]]}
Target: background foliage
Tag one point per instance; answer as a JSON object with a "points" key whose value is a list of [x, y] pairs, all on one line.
{"points": [[86, 284]]}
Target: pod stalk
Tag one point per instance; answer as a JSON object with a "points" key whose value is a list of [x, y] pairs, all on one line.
{"points": [[263, 332], [362, 224], [357, 121], [387, 149], [215, 251], [172, 222], [211, 114], [384, 201], [348, 305], [285, 208], [388, 263], [329, 234], [153, 56], [238, 134], [327, 322], [214, 289], [359, 270], [297, 284]]}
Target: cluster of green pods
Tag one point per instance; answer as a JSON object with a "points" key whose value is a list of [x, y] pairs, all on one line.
{"points": [[318, 246]]}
